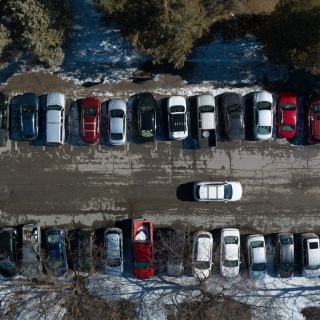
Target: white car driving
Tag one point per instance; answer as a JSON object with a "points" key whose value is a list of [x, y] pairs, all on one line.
{"points": [[117, 116], [217, 191], [230, 253], [263, 107], [202, 254], [177, 118], [257, 256]]}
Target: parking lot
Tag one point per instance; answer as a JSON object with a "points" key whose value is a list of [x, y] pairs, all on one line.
{"points": [[96, 185]]}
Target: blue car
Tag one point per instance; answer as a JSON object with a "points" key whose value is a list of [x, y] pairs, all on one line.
{"points": [[56, 252], [29, 116]]}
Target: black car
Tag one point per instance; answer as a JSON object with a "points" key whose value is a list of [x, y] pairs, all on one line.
{"points": [[232, 110], [56, 252], [8, 252], [29, 116], [82, 244], [146, 109], [3, 120], [285, 255]]}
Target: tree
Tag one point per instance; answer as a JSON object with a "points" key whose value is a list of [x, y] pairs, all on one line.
{"points": [[4, 38]]}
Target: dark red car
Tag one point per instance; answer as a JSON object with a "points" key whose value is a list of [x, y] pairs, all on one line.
{"points": [[287, 115], [313, 118], [90, 120], [142, 242]]}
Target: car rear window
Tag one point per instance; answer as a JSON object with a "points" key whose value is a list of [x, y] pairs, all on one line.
{"points": [[287, 127], [264, 130], [264, 105], [116, 136]]}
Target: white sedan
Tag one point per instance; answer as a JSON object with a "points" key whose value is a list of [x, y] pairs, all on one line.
{"points": [[257, 256], [202, 254], [217, 191], [230, 253], [177, 118], [117, 118], [263, 107]]}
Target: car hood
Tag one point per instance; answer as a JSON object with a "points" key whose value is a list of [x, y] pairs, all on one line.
{"points": [[263, 96], [236, 191], [177, 101], [230, 272], [113, 271], [116, 125], [201, 273], [265, 118], [56, 98], [258, 274], [311, 273]]}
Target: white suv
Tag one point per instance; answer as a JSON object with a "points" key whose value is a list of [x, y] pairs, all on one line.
{"points": [[55, 116], [177, 118]]}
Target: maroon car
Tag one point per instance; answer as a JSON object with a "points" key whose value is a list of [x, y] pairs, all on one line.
{"points": [[313, 118], [90, 120]]}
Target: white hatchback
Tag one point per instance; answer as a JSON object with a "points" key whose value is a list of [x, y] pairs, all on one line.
{"points": [[202, 254], [217, 191], [230, 253]]}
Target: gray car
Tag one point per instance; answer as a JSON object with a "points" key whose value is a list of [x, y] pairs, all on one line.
{"points": [[113, 242], [117, 119], [285, 255], [3, 120], [232, 110]]}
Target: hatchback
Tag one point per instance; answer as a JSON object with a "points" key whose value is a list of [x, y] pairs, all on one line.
{"points": [[285, 255], [8, 252], [29, 116], [257, 256], [146, 109], [202, 254], [56, 252], [230, 253], [113, 241], [117, 118], [232, 111]]}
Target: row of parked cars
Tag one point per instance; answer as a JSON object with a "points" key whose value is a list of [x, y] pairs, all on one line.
{"points": [[232, 108], [23, 252]]}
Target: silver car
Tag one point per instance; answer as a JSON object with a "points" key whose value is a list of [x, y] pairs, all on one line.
{"points": [[257, 256], [113, 241], [117, 118]]}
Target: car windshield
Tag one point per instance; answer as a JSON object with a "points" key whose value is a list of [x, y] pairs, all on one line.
{"points": [[90, 111], [316, 107], [53, 238], [256, 244], [286, 240], [142, 265], [202, 265], [264, 129], [146, 108], [114, 262], [264, 105], [230, 263], [177, 109], [287, 127], [147, 133], [258, 266], [286, 266], [288, 106], [227, 191], [117, 113], [206, 109], [233, 108], [116, 136], [231, 240], [54, 107]]}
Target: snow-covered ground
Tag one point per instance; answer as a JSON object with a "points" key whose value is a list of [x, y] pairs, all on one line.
{"points": [[96, 50]]}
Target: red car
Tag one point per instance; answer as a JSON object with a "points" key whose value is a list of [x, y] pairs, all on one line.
{"points": [[90, 120], [287, 115], [313, 118], [142, 241]]}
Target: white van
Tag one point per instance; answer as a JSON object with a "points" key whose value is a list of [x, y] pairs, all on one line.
{"points": [[55, 116]]}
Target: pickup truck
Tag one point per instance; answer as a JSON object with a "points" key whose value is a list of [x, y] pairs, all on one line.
{"points": [[3, 120], [206, 116], [142, 243]]}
